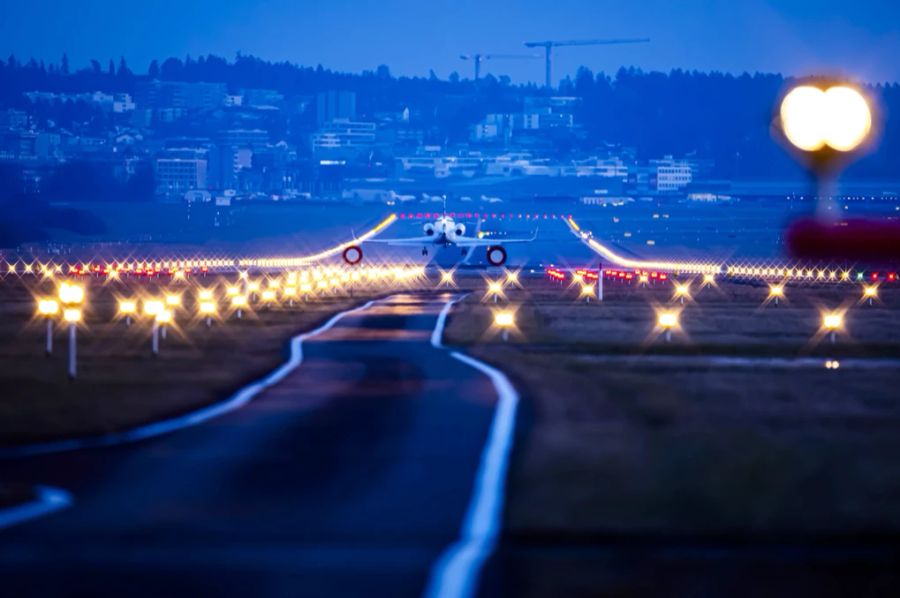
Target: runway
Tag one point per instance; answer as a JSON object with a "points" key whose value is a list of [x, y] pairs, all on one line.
{"points": [[352, 476]]}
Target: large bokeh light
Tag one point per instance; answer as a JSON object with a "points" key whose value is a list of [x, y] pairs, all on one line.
{"points": [[813, 118]]}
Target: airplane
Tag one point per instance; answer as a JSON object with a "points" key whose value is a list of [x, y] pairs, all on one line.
{"points": [[442, 233]]}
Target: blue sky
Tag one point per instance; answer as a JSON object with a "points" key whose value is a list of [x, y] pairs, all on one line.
{"points": [[860, 38]]}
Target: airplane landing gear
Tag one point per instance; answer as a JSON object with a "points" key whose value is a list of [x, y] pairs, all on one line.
{"points": [[424, 251]]}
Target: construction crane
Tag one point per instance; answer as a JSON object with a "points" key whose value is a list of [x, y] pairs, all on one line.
{"points": [[549, 45], [478, 58]]}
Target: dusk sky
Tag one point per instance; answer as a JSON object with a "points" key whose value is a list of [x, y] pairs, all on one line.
{"points": [[861, 38]]}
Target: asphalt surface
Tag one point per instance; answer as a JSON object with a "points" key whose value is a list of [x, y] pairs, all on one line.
{"points": [[350, 477]]}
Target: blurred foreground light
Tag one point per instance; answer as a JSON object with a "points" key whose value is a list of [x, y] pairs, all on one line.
{"points": [[48, 307], [127, 307], [164, 317], [239, 301], [173, 300], [832, 364], [72, 315], [205, 295], [233, 291], [813, 118], [207, 308]]}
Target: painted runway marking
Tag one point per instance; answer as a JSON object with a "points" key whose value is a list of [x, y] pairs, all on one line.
{"points": [[236, 401], [456, 572], [48, 500]]}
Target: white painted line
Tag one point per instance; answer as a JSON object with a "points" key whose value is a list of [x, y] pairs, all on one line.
{"points": [[438, 332], [236, 401], [48, 500], [456, 572]]}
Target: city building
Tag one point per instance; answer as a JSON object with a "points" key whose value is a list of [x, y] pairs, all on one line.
{"points": [[343, 137], [179, 94], [180, 172], [335, 105]]}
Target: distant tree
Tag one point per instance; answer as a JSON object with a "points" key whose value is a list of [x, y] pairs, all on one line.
{"points": [[153, 70], [111, 68], [383, 72], [95, 66], [454, 77], [64, 64]]}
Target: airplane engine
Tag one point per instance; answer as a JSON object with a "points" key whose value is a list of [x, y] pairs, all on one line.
{"points": [[460, 230], [496, 255], [353, 255], [429, 229]]}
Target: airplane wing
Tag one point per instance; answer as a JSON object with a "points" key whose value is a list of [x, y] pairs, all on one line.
{"points": [[473, 242], [411, 241]]}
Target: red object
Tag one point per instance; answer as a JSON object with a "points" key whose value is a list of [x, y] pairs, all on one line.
{"points": [[866, 240]]}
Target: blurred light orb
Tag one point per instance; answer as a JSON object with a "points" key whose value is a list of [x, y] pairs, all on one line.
{"points": [[813, 118]]}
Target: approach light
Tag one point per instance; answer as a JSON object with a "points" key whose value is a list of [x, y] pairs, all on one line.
{"points": [[71, 294], [48, 307], [127, 307], [832, 320], [72, 315], [152, 307], [682, 290], [504, 319]]}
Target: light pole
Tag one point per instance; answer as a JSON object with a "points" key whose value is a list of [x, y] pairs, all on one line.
{"points": [[71, 296], [72, 316], [127, 308], [667, 320], [776, 292], [48, 308], [160, 320], [504, 320], [831, 323]]}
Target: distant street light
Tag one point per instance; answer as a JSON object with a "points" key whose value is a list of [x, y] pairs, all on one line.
{"points": [[870, 293], [587, 291], [238, 303], [207, 310], [48, 308], [682, 290], [504, 320], [667, 320], [832, 322], [776, 292], [127, 308], [494, 289]]}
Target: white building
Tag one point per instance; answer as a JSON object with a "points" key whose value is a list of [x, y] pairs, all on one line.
{"points": [[343, 135], [176, 176], [671, 174]]}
